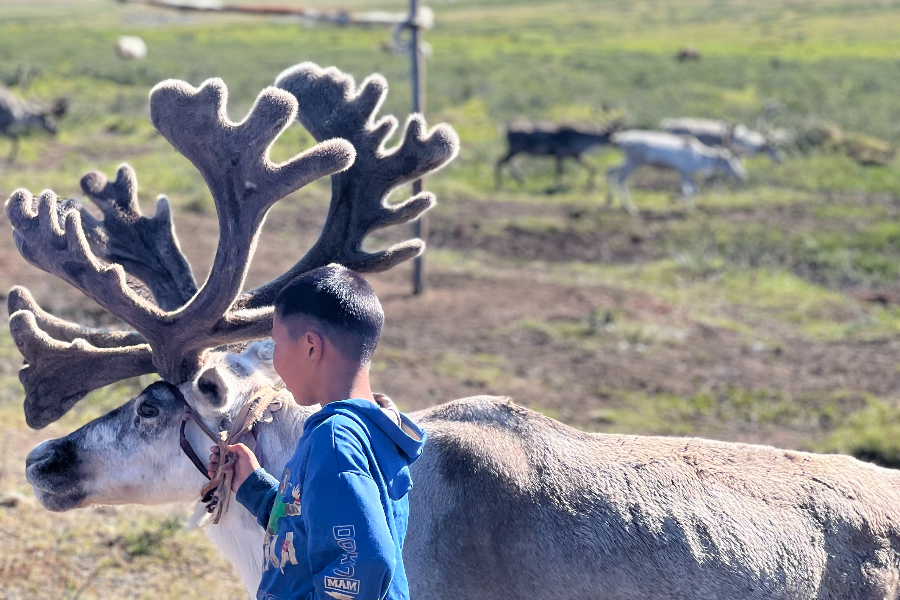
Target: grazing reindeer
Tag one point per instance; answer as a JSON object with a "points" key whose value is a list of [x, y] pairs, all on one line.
{"points": [[507, 503], [18, 118], [712, 132], [551, 140], [685, 154]]}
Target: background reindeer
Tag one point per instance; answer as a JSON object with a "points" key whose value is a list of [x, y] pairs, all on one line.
{"points": [[682, 153], [713, 132], [19, 117], [547, 139], [507, 503]]}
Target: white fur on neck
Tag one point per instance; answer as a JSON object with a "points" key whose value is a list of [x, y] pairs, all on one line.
{"points": [[238, 535]]}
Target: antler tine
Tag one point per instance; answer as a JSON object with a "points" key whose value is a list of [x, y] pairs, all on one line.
{"points": [[20, 299], [52, 239], [233, 159], [54, 376], [146, 248], [329, 105]]}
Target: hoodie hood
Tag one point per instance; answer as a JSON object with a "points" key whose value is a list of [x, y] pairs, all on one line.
{"points": [[395, 448]]}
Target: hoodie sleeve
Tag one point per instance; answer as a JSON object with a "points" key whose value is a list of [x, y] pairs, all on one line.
{"points": [[257, 494], [350, 548]]}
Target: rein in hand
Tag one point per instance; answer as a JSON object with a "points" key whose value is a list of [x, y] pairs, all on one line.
{"points": [[217, 493]]}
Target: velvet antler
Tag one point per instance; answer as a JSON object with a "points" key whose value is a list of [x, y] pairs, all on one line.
{"points": [[145, 247], [330, 105], [64, 361], [99, 257]]}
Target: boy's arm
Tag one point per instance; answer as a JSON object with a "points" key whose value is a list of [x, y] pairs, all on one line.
{"points": [[351, 551], [253, 487], [257, 494]]}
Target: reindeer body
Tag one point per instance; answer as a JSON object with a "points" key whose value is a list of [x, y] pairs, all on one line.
{"points": [[526, 507], [684, 154], [547, 139], [18, 118]]}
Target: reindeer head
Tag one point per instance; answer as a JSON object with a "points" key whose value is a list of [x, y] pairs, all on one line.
{"points": [[44, 117], [728, 163], [747, 141], [132, 266]]}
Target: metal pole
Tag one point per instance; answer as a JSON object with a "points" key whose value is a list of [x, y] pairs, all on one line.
{"points": [[420, 226]]}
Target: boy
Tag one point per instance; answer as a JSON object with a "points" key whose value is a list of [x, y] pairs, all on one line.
{"points": [[336, 521]]}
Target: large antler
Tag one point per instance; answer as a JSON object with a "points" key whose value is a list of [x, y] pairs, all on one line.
{"points": [[146, 248], [330, 105], [64, 361], [57, 351], [98, 257]]}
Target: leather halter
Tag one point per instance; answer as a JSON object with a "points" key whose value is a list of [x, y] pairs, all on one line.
{"points": [[216, 494]]}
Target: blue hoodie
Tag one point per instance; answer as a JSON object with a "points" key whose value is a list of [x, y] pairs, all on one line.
{"points": [[336, 521]]}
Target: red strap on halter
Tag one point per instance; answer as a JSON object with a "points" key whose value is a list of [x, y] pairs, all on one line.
{"points": [[189, 450]]}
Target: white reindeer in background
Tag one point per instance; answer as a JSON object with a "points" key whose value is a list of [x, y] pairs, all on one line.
{"points": [[684, 154], [713, 132], [507, 504]]}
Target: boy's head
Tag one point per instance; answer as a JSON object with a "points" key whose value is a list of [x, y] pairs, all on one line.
{"points": [[327, 320]]}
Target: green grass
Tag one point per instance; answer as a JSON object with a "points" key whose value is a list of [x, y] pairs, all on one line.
{"points": [[491, 64]]}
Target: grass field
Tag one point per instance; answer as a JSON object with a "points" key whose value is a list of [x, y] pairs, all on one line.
{"points": [[741, 321]]}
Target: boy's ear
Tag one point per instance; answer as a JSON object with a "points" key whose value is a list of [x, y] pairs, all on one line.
{"points": [[314, 344]]}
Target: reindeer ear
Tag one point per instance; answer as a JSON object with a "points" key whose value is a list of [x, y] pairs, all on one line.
{"points": [[212, 387], [264, 351]]}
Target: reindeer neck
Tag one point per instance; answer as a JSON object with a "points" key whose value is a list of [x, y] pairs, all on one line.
{"points": [[278, 440], [238, 535]]}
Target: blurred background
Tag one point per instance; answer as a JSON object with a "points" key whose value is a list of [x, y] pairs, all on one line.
{"points": [[767, 314]]}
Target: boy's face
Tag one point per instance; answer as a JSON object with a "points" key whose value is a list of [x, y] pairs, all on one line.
{"points": [[292, 361]]}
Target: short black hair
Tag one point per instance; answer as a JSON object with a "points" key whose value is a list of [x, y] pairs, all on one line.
{"points": [[341, 303]]}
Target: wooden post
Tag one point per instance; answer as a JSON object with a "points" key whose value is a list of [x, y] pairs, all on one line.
{"points": [[420, 226]]}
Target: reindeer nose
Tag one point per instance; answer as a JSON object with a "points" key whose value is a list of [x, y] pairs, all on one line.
{"points": [[37, 454], [31, 459], [53, 462]]}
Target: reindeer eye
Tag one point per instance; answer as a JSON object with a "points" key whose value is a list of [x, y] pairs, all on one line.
{"points": [[147, 411]]}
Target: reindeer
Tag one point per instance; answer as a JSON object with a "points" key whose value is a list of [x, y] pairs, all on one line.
{"points": [[19, 117], [685, 154], [713, 132], [507, 503], [547, 139]]}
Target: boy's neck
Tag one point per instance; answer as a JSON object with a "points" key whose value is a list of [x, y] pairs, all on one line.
{"points": [[348, 381]]}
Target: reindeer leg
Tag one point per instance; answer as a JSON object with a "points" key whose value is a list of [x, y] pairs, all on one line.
{"points": [[517, 173], [592, 171], [498, 170], [630, 208], [559, 173], [611, 173], [513, 170], [13, 151], [622, 173], [688, 190]]}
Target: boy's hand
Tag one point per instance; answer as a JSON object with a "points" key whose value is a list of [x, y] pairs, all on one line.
{"points": [[245, 465]]}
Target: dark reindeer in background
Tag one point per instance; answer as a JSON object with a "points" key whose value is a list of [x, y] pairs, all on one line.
{"points": [[558, 141], [20, 117]]}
